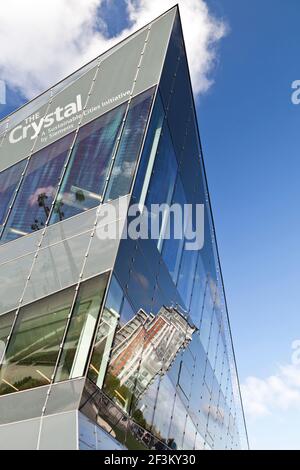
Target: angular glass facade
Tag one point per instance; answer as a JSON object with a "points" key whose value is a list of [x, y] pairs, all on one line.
{"points": [[122, 341]]}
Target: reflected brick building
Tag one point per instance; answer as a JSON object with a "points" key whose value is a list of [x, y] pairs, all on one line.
{"points": [[117, 343], [146, 346]]}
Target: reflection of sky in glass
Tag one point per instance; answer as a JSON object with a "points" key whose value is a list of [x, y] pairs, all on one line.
{"points": [[34, 199]]}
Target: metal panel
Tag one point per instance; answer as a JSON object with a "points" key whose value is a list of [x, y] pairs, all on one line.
{"points": [[53, 121], [71, 101], [114, 81], [19, 247], [64, 396], [113, 85], [155, 51], [13, 276], [56, 267], [75, 225], [20, 436], [22, 405], [102, 252], [59, 432], [15, 147]]}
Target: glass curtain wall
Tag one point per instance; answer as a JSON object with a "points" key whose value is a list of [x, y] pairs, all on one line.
{"points": [[101, 167], [33, 349], [138, 360]]}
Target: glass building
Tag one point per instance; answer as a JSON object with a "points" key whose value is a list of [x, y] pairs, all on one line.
{"points": [[112, 342]]}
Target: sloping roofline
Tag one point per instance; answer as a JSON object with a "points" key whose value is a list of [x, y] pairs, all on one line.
{"points": [[87, 63]]}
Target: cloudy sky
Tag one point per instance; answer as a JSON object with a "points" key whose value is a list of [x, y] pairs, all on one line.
{"points": [[243, 57]]}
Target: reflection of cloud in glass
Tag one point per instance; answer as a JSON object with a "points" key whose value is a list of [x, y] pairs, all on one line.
{"points": [[47, 191]]}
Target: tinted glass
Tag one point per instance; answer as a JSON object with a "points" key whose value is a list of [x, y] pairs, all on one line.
{"points": [[33, 348], [6, 322], [81, 329], [172, 248], [33, 203], [105, 333], [86, 174], [9, 180], [130, 145], [149, 152], [198, 293], [164, 408], [162, 182], [187, 275]]}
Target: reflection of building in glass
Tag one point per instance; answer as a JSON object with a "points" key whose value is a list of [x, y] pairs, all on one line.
{"points": [[91, 354], [146, 346]]}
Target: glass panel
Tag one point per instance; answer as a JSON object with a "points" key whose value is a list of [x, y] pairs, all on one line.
{"points": [[33, 348], [6, 322], [128, 151], [177, 425], [33, 203], [213, 418], [209, 375], [186, 275], [172, 248], [162, 182], [200, 442], [149, 152], [98, 407], [164, 172], [198, 293], [185, 375], [127, 312], [85, 178], [204, 405], [139, 439], [189, 435], [81, 329], [126, 360], [206, 318], [213, 341], [143, 350], [198, 379], [180, 105], [225, 376], [164, 409], [9, 180], [106, 331], [141, 282], [142, 411], [220, 359]]}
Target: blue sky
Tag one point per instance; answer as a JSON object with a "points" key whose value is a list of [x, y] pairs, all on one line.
{"points": [[250, 136]]}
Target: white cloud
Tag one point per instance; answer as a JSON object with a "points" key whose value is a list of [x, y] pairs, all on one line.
{"points": [[201, 32], [280, 392], [42, 41]]}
